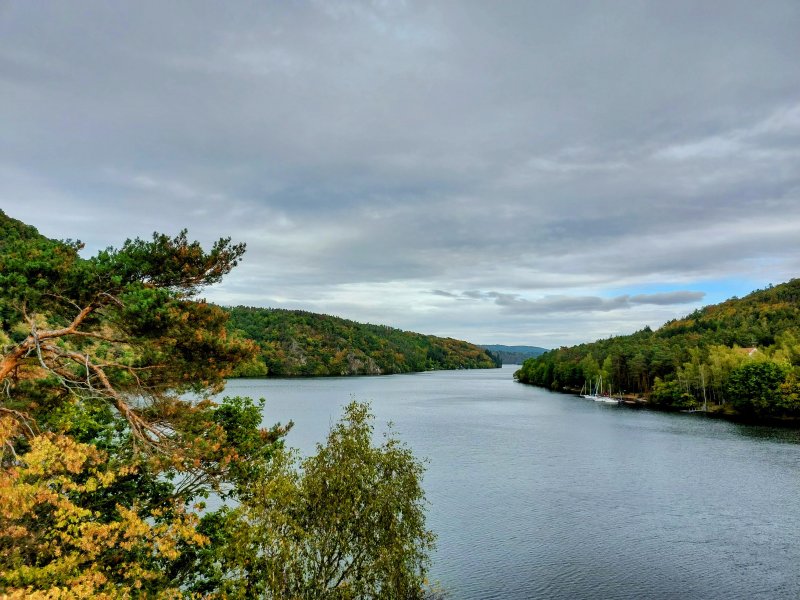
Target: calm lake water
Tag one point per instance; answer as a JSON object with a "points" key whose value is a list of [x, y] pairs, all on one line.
{"points": [[542, 495]]}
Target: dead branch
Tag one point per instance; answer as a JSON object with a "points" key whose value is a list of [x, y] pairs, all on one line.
{"points": [[24, 419]]}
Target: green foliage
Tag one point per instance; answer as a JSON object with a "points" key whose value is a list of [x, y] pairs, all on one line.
{"points": [[755, 387], [348, 524], [670, 394], [101, 457], [299, 343], [129, 309], [240, 422], [789, 401], [689, 362]]}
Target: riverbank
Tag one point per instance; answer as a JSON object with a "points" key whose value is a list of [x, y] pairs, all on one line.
{"points": [[715, 411], [349, 375]]}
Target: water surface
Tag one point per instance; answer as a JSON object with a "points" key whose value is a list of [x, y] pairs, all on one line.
{"points": [[542, 495]]}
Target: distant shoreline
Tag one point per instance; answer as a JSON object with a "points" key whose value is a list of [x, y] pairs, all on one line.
{"points": [[355, 375]]}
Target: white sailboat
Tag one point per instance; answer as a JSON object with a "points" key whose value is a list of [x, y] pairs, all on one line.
{"points": [[598, 396], [593, 393], [607, 399]]}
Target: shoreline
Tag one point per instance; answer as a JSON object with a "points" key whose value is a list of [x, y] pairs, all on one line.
{"points": [[716, 412]]}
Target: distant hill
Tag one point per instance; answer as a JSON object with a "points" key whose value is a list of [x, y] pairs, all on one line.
{"points": [[514, 355], [12, 230], [742, 355], [300, 343]]}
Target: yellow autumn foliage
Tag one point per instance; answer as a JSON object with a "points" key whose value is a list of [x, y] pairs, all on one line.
{"points": [[61, 557]]}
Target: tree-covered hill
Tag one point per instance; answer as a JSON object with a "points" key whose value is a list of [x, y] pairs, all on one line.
{"points": [[514, 355], [742, 355], [299, 343]]}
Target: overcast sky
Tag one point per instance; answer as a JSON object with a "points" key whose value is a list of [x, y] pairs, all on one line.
{"points": [[523, 172]]}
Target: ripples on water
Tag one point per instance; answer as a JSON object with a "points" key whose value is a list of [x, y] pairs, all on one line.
{"points": [[542, 495]]}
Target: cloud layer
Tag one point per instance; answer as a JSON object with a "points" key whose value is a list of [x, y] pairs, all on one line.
{"points": [[557, 304], [595, 167]]}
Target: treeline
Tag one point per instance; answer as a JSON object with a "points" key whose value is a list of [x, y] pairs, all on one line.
{"points": [[741, 356], [299, 343]]}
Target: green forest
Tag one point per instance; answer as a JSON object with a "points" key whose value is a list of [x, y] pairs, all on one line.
{"points": [[110, 445], [514, 355], [740, 357], [299, 343]]}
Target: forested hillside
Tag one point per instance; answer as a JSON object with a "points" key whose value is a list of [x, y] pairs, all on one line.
{"points": [[299, 343], [742, 355], [514, 355]]}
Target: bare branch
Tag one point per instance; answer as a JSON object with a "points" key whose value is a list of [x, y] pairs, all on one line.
{"points": [[24, 419], [70, 329], [141, 429], [114, 299], [65, 299], [33, 341]]}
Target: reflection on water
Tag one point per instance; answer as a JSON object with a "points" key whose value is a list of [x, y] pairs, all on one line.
{"points": [[770, 434], [542, 495]]}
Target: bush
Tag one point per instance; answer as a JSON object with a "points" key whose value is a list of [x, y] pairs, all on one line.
{"points": [[348, 523]]}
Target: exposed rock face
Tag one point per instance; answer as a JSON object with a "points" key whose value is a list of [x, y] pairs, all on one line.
{"points": [[357, 366]]}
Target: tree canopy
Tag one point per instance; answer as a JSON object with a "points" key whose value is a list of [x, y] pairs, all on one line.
{"points": [[348, 524], [117, 327]]}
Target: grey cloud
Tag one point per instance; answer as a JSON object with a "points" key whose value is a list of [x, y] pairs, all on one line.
{"points": [[667, 298], [562, 148], [514, 303], [474, 294]]}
